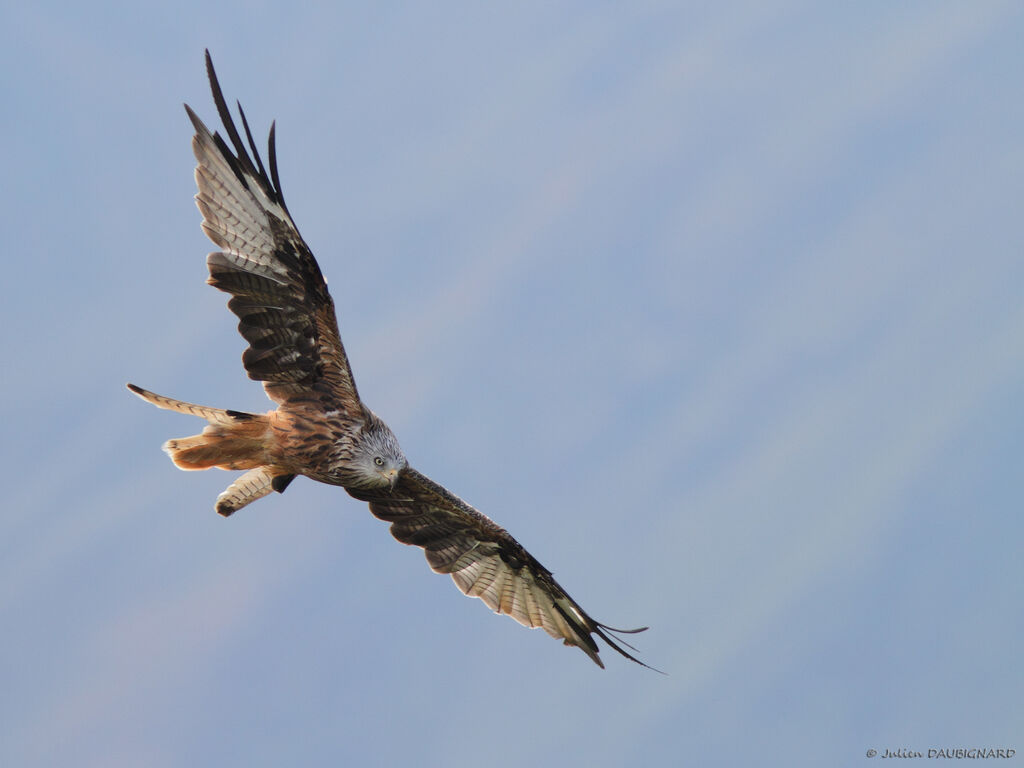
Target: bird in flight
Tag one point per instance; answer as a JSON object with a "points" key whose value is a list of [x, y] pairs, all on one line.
{"points": [[320, 427]]}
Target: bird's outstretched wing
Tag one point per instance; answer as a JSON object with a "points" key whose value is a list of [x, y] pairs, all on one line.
{"points": [[485, 561], [278, 292]]}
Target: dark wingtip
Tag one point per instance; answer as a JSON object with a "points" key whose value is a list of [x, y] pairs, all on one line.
{"points": [[241, 163], [272, 159], [603, 630], [135, 389], [624, 631], [197, 123]]}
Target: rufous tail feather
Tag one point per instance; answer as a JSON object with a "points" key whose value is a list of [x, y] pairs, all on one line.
{"points": [[233, 439]]}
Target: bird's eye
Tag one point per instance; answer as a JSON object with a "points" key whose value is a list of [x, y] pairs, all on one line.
{"points": [[379, 461]]}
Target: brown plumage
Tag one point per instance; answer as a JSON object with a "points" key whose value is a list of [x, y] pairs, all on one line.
{"points": [[320, 428]]}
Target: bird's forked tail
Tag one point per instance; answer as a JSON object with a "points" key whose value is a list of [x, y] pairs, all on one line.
{"points": [[232, 440]]}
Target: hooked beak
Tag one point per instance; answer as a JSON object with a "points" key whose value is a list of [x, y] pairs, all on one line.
{"points": [[391, 476]]}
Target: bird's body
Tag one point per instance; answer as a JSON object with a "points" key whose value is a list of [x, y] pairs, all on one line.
{"points": [[320, 428]]}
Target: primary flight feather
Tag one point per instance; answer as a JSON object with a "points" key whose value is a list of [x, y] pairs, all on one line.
{"points": [[320, 428]]}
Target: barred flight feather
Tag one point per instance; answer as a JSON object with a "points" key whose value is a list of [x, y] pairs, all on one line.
{"points": [[212, 415], [253, 485], [484, 560], [279, 295]]}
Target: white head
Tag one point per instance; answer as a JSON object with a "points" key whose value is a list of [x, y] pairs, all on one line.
{"points": [[377, 459]]}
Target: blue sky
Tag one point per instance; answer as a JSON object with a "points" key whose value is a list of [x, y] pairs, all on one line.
{"points": [[716, 307]]}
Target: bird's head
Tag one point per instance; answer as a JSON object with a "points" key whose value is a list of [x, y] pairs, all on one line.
{"points": [[378, 457]]}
